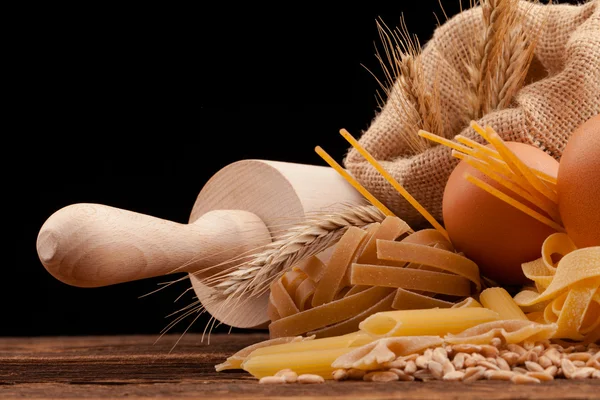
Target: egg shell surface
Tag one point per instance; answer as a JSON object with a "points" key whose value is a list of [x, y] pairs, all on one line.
{"points": [[492, 233], [578, 184]]}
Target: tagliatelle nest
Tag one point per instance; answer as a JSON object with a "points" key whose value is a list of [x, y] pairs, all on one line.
{"points": [[380, 268]]}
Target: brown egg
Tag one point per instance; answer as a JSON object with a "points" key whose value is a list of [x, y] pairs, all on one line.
{"points": [[578, 184], [494, 234]]}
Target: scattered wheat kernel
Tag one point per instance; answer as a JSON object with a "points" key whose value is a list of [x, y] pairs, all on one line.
{"points": [[459, 360], [310, 378], [542, 376], [474, 374], [553, 355], [380, 376], [448, 367], [496, 342], [534, 367], [502, 363], [529, 356], [499, 375], [470, 361], [436, 369], [489, 351], [593, 363], [488, 365], [578, 363], [583, 373], [422, 361], [424, 375], [355, 374], [288, 375], [282, 371], [528, 345], [515, 348], [551, 370], [466, 348], [596, 375], [270, 380], [520, 370], [544, 362], [397, 363], [517, 378], [402, 376], [340, 375], [568, 369], [538, 349], [454, 376], [440, 355], [410, 368], [511, 357]]}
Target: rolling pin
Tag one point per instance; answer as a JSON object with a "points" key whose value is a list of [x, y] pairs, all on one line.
{"points": [[244, 206]]}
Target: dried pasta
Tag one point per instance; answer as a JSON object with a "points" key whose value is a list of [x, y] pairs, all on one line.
{"points": [[431, 321], [499, 300], [510, 331], [384, 267], [566, 290]]}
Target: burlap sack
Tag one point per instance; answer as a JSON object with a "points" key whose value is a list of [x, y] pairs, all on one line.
{"points": [[563, 93]]}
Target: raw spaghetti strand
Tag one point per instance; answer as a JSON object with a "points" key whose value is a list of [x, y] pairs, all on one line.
{"points": [[497, 193], [394, 183], [361, 189]]}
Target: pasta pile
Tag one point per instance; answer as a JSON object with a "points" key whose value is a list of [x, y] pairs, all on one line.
{"points": [[566, 291], [383, 267], [376, 345]]}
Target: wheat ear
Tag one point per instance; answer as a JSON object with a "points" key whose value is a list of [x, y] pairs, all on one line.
{"points": [[299, 242], [416, 105], [517, 54]]}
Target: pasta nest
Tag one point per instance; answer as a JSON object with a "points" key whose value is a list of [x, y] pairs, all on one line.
{"points": [[383, 267]]}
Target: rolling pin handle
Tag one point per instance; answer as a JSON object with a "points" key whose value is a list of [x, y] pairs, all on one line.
{"points": [[92, 245]]}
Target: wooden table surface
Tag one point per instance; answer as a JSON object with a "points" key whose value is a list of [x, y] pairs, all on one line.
{"points": [[139, 367]]}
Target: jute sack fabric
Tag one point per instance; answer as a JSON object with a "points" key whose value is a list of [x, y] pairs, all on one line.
{"points": [[561, 92]]}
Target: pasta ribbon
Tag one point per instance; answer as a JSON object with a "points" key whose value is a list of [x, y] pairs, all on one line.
{"points": [[567, 281], [370, 356], [511, 331], [383, 267]]}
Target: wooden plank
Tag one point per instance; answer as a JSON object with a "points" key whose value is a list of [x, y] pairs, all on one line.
{"points": [[138, 368]]}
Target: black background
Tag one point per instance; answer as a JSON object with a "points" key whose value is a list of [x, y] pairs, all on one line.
{"points": [[138, 107]]}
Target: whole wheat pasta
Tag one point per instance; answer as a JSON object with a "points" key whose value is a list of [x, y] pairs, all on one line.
{"points": [[331, 298]]}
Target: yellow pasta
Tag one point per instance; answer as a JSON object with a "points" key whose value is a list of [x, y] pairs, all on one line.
{"points": [[567, 289], [316, 362], [235, 361], [468, 302], [511, 331], [433, 321], [335, 342], [499, 300]]}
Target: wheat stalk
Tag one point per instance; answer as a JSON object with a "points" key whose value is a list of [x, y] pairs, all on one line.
{"points": [[518, 54], [417, 106], [500, 60], [297, 243]]}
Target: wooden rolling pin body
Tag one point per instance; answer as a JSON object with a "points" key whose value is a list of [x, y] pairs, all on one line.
{"points": [[243, 207]]}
